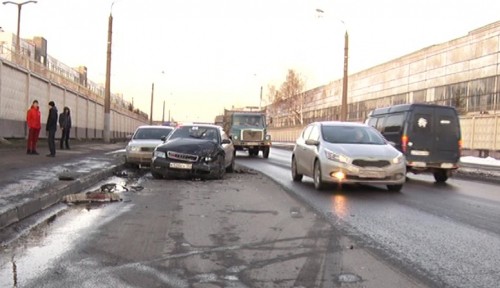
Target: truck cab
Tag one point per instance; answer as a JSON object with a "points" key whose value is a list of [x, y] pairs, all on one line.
{"points": [[248, 131]]}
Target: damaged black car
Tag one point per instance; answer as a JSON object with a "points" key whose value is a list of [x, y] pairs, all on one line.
{"points": [[194, 151]]}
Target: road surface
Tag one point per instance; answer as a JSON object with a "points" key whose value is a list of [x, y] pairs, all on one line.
{"points": [[448, 234]]}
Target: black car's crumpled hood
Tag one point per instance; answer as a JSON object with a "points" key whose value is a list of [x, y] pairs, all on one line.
{"points": [[199, 147]]}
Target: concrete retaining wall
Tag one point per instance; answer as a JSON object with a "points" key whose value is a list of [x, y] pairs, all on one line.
{"points": [[18, 89]]}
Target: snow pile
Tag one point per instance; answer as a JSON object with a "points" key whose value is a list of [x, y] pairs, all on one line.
{"points": [[481, 161]]}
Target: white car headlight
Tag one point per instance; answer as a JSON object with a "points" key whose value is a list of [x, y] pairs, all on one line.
{"points": [[268, 137], [133, 148], [336, 157], [398, 159], [159, 154], [235, 137]]}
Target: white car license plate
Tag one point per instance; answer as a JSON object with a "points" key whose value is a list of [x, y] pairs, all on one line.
{"points": [[252, 143], [185, 166], [446, 165], [371, 174]]}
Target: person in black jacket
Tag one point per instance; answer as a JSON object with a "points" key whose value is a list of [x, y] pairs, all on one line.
{"points": [[65, 124], [52, 128]]}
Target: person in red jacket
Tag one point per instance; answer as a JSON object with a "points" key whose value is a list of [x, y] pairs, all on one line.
{"points": [[34, 126]]}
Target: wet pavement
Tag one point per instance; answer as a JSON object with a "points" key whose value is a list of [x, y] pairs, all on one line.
{"points": [[243, 231], [448, 234], [24, 179]]}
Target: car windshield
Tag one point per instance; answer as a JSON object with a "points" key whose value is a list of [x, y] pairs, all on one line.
{"points": [[352, 135], [198, 132], [249, 120], [151, 133]]}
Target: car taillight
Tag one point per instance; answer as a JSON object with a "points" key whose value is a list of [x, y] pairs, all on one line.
{"points": [[460, 143], [404, 143]]}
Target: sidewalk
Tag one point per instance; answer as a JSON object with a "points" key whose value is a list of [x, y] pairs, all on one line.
{"points": [[30, 183]]}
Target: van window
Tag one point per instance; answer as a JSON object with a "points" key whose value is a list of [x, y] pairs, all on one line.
{"points": [[394, 123]]}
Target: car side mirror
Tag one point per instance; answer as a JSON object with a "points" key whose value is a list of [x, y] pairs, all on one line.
{"points": [[129, 136], [226, 141], [312, 142], [163, 138], [391, 143]]}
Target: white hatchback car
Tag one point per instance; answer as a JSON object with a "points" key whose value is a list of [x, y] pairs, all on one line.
{"points": [[140, 149], [342, 152]]}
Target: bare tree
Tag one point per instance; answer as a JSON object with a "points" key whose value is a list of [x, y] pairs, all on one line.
{"points": [[293, 97]]}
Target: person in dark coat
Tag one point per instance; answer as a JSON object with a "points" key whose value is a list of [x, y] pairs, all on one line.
{"points": [[65, 124], [34, 126], [52, 128]]}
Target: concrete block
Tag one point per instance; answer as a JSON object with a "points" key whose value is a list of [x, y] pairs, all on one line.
{"points": [[29, 208]]}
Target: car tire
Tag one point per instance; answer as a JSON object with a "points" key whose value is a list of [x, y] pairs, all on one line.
{"points": [[265, 152], [222, 168], [131, 165], [156, 175], [230, 168], [395, 188], [318, 181], [441, 175], [295, 175]]}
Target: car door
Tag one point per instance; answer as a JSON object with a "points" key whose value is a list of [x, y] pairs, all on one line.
{"points": [[300, 148], [311, 150]]}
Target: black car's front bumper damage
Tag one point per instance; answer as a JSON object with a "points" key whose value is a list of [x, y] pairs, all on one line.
{"points": [[200, 169]]}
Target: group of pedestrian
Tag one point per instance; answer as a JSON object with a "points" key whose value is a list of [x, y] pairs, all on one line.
{"points": [[33, 118]]}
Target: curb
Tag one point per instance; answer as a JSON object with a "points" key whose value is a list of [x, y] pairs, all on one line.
{"points": [[53, 195]]}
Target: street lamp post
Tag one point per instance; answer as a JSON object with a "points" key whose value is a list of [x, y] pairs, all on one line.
{"points": [[19, 5], [107, 88], [152, 100], [343, 107]]}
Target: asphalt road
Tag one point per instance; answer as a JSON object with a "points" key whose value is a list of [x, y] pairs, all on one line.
{"points": [[448, 234], [243, 231]]}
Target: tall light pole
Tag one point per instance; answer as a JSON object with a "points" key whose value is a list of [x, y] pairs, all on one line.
{"points": [[19, 6], [345, 79], [152, 100], [343, 108], [107, 88]]}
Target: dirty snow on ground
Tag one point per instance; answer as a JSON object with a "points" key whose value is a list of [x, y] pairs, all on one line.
{"points": [[481, 161]]}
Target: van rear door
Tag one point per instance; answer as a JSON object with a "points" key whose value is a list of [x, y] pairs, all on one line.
{"points": [[433, 135]]}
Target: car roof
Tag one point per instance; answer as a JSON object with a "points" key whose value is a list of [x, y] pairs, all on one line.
{"points": [[340, 123], [200, 125], [155, 126]]}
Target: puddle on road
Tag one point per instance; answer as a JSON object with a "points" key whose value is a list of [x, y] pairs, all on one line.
{"points": [[30, 256]]}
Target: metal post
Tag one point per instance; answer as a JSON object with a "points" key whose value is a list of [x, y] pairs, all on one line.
{"points": [[18, 41], [260, 101], [343, 111], [107, 95], [18, 38], [163, 114], [152, 99]]}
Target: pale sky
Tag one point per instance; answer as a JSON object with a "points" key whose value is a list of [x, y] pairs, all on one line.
{"points": [[217, 53]]}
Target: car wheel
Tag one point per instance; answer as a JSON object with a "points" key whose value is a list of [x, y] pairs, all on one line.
{"points": [[156, 175], [395, 188], [440, 175], [230, 168], [295, 175], [131, 165], [265, 152], [219, 174], [318, 181]]}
